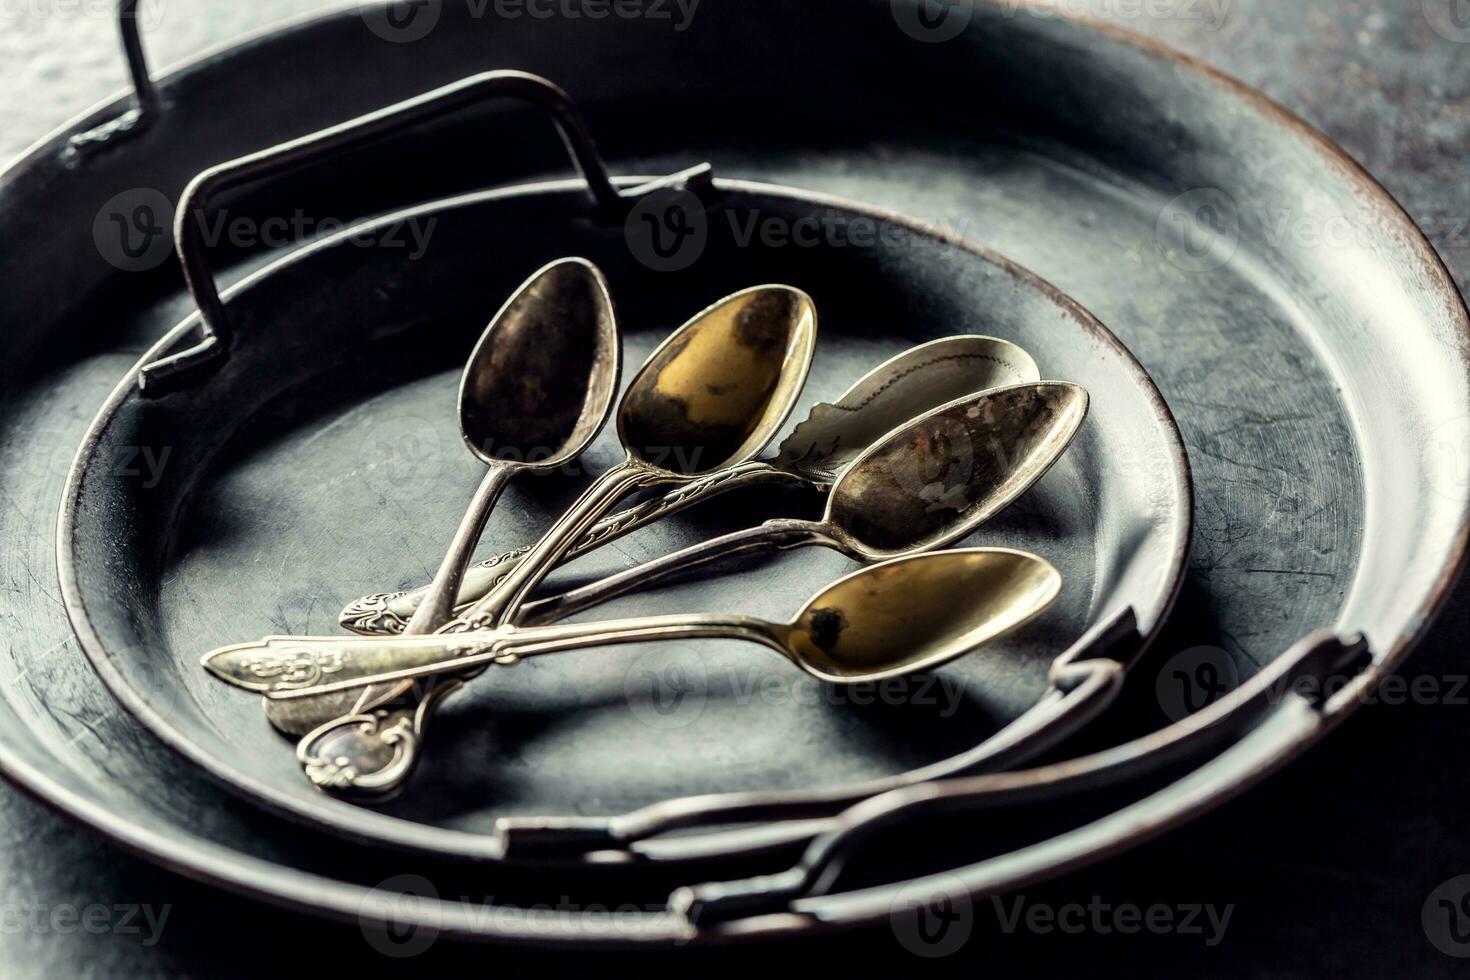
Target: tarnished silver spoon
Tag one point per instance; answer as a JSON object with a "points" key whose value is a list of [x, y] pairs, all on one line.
{"points": [[926, 485], [832, 436], [544, 373]]}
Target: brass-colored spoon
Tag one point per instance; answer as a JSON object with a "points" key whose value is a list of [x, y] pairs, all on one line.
{"points": [[906, 615], [544, 374], [904, 387], [928, 484], [711, 396]]}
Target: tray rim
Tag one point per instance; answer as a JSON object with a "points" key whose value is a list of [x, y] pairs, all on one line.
{"points": [[407, 836], [221, 866]]}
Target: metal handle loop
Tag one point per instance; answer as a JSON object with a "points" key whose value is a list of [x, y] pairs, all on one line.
{"points": [[213, 334], [1316, 657]]}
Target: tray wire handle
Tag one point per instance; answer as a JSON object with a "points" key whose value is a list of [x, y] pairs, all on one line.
{"points": [[135, 119], [213, 334], [1299, 677], [1085, 681]]}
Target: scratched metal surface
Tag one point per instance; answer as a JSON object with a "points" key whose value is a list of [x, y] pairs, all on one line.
{"points": [[1287, 848]]}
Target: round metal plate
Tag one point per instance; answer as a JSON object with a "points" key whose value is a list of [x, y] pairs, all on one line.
{"points": [[1310, 384], [322, 462]]}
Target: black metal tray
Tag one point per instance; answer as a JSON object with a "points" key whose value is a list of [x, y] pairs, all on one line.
{"points": [[287, 450], [1308, 382]]}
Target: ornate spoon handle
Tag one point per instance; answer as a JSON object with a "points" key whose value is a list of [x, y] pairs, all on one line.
{"points": [[389, 613]]}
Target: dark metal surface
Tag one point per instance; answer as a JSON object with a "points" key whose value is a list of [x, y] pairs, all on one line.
{"points": [[197, 536], [1390, 60]]}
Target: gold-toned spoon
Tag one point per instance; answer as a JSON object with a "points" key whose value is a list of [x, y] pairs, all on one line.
{"points": [[544, 374], [902, 616], [904, 387], [711, 396], [928, 484]]}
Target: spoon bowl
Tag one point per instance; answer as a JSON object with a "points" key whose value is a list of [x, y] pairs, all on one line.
{"points": [[918, 613], [928, 484], [717, 391], [541, 381]]}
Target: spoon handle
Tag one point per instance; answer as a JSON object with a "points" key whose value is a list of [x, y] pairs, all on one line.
{"points": [[779, 534], [503, 600], [438, 605], [358, 663], [389, 613]]}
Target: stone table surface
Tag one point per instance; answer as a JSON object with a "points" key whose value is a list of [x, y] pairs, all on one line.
{"points": [[1325, 869]]}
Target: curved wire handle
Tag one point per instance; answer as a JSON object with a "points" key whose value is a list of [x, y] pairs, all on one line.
{"points": [[213, 332], [1317, 658], [146, 95], [1085, 681]]}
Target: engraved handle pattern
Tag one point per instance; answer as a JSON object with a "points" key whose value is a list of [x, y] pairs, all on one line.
{"points": [[389, 613]]}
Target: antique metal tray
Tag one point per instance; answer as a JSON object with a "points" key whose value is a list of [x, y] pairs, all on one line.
{"points": [[1313, 387], [268, 433]]}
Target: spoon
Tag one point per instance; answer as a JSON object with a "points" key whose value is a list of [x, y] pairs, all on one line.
{"points": [[928, 484], [544, 373], [708, 398], [905, 615], [714, 392], [831, 437]]}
